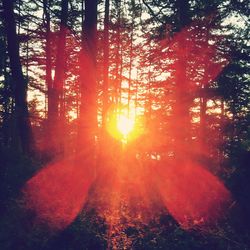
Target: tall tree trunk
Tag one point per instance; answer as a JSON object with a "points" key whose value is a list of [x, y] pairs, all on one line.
{"points": [[131, 55], [181, 107], [22, 122], [88, 110], [130, 67], [49, 82], [203, 109], [57, 96], [118, 58], [105, 64]]}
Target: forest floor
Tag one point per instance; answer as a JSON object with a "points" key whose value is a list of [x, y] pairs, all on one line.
{"points": [[122, 211]]}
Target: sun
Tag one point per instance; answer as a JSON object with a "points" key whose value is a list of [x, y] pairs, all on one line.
{"points": [[122, 127], [125, 125]]}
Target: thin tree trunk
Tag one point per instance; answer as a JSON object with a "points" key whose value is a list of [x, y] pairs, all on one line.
{"points": [[57, 116], [131, 56], [118, 58], [7, 105], [203, 108], [130, 68], [49, 82], [88, 110], [105, 64], [22, 122], [181, 118]]}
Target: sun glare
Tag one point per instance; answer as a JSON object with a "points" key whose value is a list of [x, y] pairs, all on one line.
{"points": [[125, 125]]}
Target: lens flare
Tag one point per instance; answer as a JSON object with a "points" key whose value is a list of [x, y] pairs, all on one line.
{"points": [[192, 195], [57, 193]]}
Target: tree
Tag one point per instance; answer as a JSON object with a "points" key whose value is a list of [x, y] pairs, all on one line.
{"points": [[56, 111], [105, 65], [88, 110], [23, 133]]}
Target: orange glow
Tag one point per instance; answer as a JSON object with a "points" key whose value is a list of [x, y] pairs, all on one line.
{"points": [[58, 192], [125, 125], [192, 195], [133, 181]]}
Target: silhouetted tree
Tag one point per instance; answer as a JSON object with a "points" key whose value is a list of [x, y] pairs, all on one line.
{"points": [[23, 133]]}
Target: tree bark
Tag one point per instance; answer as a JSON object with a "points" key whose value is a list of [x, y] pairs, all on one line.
{"points": [[57, 116], [88, 110], [48, 55], [24, 138], [105, 64], [181, 119]]}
